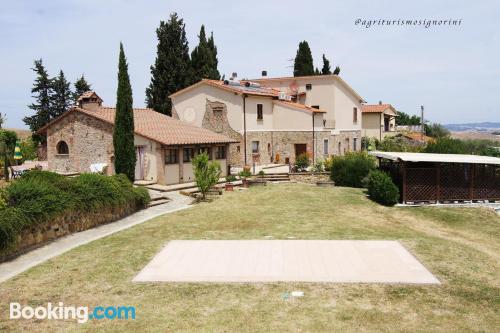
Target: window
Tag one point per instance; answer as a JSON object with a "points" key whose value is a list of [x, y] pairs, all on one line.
{"points": [[237, 149], [315, 106], [354, 115], [325, 147], [188, 154], [354, 144], [309, 86], [220, 152], [259, 112], [171, 156], [62, 148], [205, 150], [255, 147], [269, 147]]}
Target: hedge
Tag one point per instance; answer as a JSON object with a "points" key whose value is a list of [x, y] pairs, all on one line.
{"points": [[40, 195]]}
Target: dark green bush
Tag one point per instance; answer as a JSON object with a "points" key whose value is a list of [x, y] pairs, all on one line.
{"points": [[381, 188], [12, 221], [302, 162], [41, 195], [351, 169]]}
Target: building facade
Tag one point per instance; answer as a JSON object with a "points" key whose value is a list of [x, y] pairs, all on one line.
{"points": [[275, 120], [83, 137], [379, 120]]}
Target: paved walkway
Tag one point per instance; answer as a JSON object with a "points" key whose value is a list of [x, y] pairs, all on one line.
{"points": [[64, 244]]}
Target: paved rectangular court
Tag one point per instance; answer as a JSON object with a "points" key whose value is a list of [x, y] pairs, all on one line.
{"points": [[285, 260]]}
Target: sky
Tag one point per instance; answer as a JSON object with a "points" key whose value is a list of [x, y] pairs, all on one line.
{"points": [[454, 71]]}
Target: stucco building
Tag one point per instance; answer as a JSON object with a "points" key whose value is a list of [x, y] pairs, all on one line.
{"points": [[274, 120], [83, 136], [379, 120]]}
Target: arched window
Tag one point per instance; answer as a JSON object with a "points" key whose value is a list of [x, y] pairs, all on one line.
{"points": [[62, 148]]}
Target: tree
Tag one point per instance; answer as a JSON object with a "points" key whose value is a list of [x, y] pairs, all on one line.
{"points": [[61, 98], [215, 75], [206, 173], [2, 119], [326, 70], [43, 91], [7, 145], [303, 64], [172, 69], [123, 132], [436, 130], [204, 58], [405, 119], [336, 71], [81, 86], [446, 146]]}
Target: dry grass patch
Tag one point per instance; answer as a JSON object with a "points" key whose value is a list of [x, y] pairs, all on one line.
{"points": [[460, 246]]}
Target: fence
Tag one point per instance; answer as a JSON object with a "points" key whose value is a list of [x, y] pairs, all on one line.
{"points": [[444, 182]]}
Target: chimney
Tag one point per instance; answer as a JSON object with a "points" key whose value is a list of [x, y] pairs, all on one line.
{"points": [[379, 102], [264, 73], [89, 101]]}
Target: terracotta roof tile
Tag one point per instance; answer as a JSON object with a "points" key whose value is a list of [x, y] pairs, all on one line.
{"points": [[156, 126], [299, 106], [375, 107]]}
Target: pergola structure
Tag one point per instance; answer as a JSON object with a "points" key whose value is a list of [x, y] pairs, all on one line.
{"points": [[442, 178]]}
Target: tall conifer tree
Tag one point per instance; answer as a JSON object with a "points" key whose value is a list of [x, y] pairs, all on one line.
{"points": [[61, 99], [42, 93], [172, 69], [204, 58], [326, 70], [81, 86], [303, 65], [123, 132], [215, 75]]}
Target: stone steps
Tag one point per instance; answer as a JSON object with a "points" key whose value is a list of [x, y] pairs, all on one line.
{"points": [[157, 202]]}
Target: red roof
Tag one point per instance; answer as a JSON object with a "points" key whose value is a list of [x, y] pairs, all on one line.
{"points": [[155, 126], [377, 108], [299, 106]]}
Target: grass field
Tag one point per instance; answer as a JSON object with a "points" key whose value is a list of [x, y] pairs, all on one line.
{"points": [[461, 247]]}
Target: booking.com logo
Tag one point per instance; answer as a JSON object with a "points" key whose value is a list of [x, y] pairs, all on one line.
{"points": [[61, 312]]}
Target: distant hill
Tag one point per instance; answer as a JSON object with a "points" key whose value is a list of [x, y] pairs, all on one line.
{"points": [[480, 127]]}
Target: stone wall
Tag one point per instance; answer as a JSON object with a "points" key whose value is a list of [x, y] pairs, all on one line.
{"points": [[39, 234], [89, 141], [310, 178], [215, 119]]}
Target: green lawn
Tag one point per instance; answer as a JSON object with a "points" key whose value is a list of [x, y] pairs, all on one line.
{"points": [[460, 246]]}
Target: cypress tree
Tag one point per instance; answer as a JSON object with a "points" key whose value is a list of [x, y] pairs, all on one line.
{"points": [[61, 99], [42, 92], [81, 86], [214, 75], [336, 71], [123, 132], [204, 58], [172, 69], [303, 65], [326, 70]]}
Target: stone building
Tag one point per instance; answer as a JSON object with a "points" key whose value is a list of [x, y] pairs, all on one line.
{"points": [[83, 136], [274, 120]]}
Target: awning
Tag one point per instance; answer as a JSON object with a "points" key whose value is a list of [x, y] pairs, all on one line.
{"points": [[437, 158]]}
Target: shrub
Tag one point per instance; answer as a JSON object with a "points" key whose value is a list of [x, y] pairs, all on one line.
{"points": [[352, 168], [446, 146], [261, 173], [245, 174], [381, 188], [230, 178], [206, 173], [328, 163], [40, 195], [319, 166], [302, 162]]}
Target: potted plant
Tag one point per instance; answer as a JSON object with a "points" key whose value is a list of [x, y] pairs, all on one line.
{"points": [[229, 186], [244, 177]]}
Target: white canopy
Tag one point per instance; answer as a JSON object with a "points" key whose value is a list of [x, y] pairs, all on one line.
{"points": [[443, 158]]}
